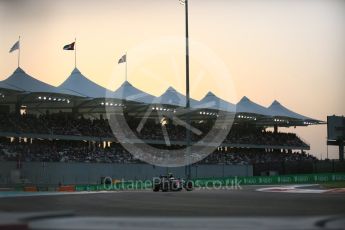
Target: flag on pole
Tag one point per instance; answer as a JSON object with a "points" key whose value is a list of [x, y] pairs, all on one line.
{"points": [[123, 59], [15, 47], [69, 46]]}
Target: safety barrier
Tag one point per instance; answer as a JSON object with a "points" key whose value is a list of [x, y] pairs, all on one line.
{"points": [[70, 188], [125, 185], [206, 182], [30, 189], [229, 181], [269, 180]]}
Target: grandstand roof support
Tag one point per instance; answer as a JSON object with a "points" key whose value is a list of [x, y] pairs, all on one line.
{"points": [[19, 102], [341, 151], [17, 108]]}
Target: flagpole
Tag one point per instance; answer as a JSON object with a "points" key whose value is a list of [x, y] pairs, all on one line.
{"points": [[75, 52], [19, 53]]}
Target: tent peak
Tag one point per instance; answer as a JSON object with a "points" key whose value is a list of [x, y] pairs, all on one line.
{"points": [[210, 94], [128, 92], [126, 83], [244, 99], [19, 70], [279, 110], [79, 84], [22, 81], [275, 102], [76, 71], [171, 89]]}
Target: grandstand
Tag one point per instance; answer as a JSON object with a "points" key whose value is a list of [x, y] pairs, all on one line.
{"points": [[70, 123]]}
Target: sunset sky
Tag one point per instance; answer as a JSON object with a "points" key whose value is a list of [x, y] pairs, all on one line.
{"points": [[292, 51]]}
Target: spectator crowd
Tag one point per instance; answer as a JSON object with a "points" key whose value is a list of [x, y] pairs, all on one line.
{"points": [[66, 151], [66, 124]]}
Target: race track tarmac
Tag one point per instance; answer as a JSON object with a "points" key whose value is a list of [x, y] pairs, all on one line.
{"points": [[212, 203]]}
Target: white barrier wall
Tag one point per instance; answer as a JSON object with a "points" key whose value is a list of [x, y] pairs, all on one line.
{"points": [[84, 173]]}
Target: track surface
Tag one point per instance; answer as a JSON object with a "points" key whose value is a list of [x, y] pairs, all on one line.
{"points": [[216, 203]]}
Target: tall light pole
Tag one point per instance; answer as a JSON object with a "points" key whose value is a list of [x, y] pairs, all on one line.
{"points": [[187, 57], [188, 134]]}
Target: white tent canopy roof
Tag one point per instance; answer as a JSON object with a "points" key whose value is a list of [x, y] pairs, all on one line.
{"points": [[247, 106], [128, 92], [279, 110], [21, 81], [172, 97], [8, 87], [78, 84], [211, 101]]}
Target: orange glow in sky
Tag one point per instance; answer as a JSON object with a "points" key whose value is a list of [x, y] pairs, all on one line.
{"points": [[292, 51]]}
